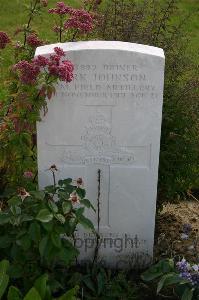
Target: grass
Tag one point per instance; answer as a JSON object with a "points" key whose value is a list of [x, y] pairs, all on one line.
{"points": [[191, 9], [13, 14]]}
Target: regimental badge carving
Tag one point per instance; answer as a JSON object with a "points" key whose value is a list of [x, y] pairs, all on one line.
{"points": [[98, 145], [98, 138]]}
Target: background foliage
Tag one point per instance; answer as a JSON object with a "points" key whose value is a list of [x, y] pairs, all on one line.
{"points": [[162, 24], [171, 25]]}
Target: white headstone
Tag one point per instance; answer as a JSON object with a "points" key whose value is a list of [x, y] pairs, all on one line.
{"points": [[107, 124]]}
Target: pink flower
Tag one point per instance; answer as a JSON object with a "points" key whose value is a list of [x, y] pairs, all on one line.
{"points": [[22, 193], [33, 40], [28, 71], [54, 59], [74, 198], [66, 71], [28, 174], [62, 69], [4, 39], [80, 19], [59, 51], [80, 182], [41, 61], [61, 9], [53, 69]]}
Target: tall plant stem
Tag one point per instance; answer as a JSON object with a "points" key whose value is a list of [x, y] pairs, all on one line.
{"points": [[29, 20], [98, 216]]}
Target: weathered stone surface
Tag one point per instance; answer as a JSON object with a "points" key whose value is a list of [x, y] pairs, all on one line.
{"points": [[109, 119]]}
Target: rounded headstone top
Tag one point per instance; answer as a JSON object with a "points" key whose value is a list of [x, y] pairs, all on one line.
{"points": [[101, 45]]}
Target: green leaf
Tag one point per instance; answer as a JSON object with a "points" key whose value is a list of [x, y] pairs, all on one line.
{"points": [[26, 218], [35, 232], [65, 181], [4, 218], [40, 285], [15, 220], [88, 204], [168, 279], [4, 279], [89, 283], [5, 241], [70, 295], [86, 223], [4, 265], [24, 242], [79, 212], [167, 265], [14, 293], [188, 294], [81, 192], [43, 245], [175, 278], [60, 218], [52, 206], [59, 229], [100, 283], [32, 295], [14, 201], [47, 226], [16, 271], [63, 195], [71, 225], [149, 276], [44, 215], [55, 237], [16, 210], [50, 189], [39, 195], [68, 255], [153, 272], [66, 206]]}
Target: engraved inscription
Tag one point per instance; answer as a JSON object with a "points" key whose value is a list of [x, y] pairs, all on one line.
{"points": [[110, 84]]}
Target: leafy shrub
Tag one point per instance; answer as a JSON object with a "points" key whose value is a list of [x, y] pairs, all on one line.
{"points": [[30, 82], [151, 22], [37, 230], [183, 276], [40, 290]]}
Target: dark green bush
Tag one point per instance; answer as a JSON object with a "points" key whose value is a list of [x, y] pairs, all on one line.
{"points": [[151, 22]]}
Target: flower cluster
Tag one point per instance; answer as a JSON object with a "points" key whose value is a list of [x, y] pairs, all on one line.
{"points": [[78, 19], [63, 69], [188, 272], [33, 40], [4, 39], [29, 71], [23, 194], [28, 174], [74, 198], [60, 9]]}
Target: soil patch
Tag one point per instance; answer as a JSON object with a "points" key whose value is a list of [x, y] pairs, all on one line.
{"points": [[177, 231]]}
